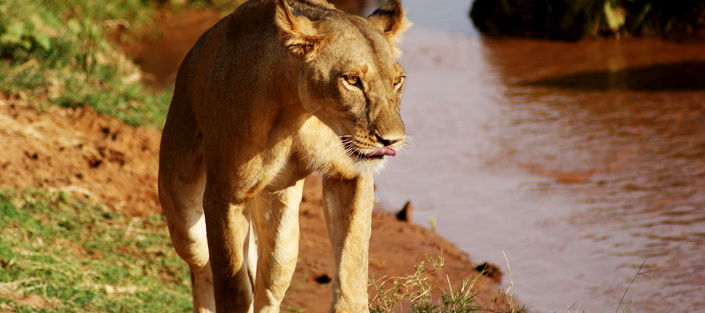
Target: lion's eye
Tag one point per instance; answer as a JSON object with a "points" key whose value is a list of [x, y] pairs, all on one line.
{"points": [[353, 80], [398, 81]]}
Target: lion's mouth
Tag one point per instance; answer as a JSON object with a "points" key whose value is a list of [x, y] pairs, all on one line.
{"points": [[363, 156], [378, 154]]}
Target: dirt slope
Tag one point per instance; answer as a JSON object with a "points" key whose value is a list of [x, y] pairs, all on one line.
{"points": [[99, 157], [80, 151]]}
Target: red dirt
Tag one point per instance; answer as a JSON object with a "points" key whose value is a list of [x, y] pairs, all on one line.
{"points": [[162, 48], [92, 155], [79, 151]]}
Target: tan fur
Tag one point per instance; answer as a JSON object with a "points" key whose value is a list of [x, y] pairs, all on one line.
{"points": [[273, 92]]}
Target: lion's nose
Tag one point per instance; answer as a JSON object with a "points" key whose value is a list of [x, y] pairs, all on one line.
{"points": [[389, 140]]}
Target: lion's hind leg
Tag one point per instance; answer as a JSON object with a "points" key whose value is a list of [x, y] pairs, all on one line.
{"points": [[181, 187]]}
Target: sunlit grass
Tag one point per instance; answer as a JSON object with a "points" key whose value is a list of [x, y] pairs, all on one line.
{"points": [[58, 52], [82, 257], [414, 292]]}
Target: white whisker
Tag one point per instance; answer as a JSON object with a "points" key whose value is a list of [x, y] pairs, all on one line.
{"points": [[410, 140]]}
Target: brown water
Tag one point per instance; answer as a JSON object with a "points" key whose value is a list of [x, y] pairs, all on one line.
{"points": [[579, 160]]}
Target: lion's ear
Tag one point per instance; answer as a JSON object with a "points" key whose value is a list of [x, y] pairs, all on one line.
{"points": [[297, 33], [390, 20]]}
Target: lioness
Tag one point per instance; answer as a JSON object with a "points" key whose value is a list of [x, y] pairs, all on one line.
{"points": [[273, 92]]}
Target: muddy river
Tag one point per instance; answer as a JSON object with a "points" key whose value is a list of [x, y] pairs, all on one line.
{"points": [[581, 161]]}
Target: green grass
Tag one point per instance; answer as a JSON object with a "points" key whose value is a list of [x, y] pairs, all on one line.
{"points": [[414, 292], [83, 257], [58, 52]]}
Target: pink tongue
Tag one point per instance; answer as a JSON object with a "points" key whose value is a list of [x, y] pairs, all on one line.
{"points": [[383, 151]]}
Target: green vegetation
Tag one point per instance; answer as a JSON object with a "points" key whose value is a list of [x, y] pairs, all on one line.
{"points": [[58, 52], [419, 294], [576, 19], [415, 292], [82, 257]]}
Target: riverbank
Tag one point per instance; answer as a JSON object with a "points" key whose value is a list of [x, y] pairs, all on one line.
{"points": [[575, 20], [103, 160]]}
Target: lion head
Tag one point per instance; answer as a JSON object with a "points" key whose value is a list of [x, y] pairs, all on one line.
{"points": [[349, 77]]}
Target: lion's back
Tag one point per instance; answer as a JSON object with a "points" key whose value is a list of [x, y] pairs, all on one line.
{"points": [[224, 40]]}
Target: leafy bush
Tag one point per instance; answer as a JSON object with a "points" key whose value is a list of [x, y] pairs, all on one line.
{"points": [[58, 52]]}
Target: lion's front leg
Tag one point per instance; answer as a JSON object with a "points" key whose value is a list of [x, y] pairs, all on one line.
{"points": [[348, 209], [228, 231], [275, 216]]}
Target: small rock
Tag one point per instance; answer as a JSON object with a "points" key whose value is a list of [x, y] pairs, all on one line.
{"points": [[490, 270], [323, 279], [405, 213]]}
